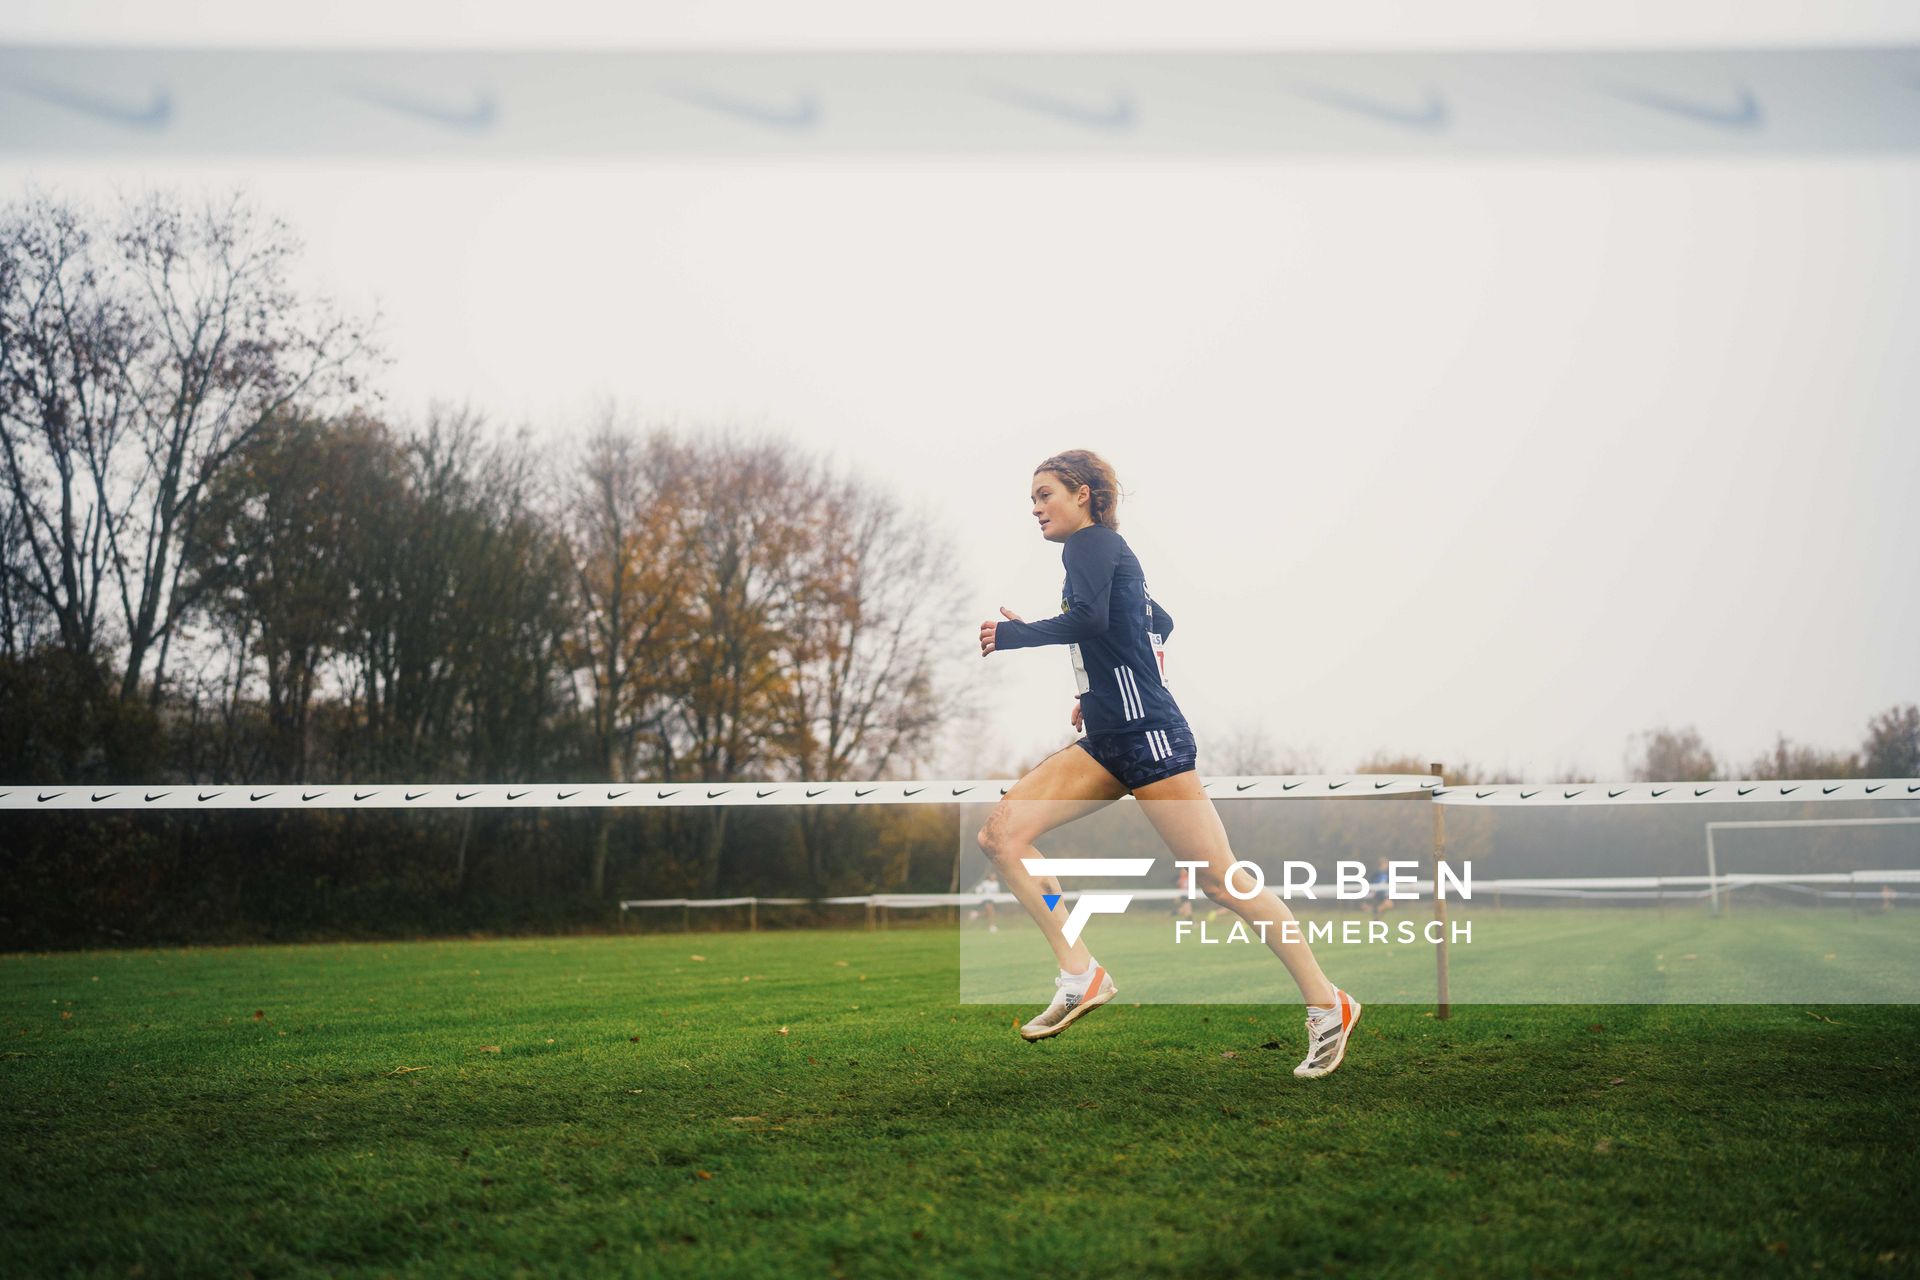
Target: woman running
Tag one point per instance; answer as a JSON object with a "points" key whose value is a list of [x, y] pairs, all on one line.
{"points": [[1136, 742]]}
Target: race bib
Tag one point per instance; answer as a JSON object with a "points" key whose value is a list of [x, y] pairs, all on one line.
{"points": [[1080, 683], [1159, 655]]}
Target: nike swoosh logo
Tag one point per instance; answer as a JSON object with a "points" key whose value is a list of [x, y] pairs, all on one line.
{"points": [[1568, 795], [796, 116], [1430, 116], [1335, 786], [662, 795], [762, 795], [1743, 116], [1740, 791], [315, 796], [1911, 790], [566, 795], [1114, 114], [55, 796], [1697, 792], [1787, 791], [414, 795], [99, 796], [1528, 795], [1827, 791], [615, 795], [1481, 795], [1004, 790], [1871, 790], [476, 118], [1661, 792], [515, 795], [257, 797], [1440, 791], [157, 795], [1288, 786], [715, 794], [1378, 785], [1622, 791], [960, 791], [857, 792], [1242, 786], [358, 796], [811, 794], [916, 791], [464, 795], [208, 795], [152, 116]]}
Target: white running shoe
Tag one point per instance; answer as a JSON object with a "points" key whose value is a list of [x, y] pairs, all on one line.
{"points": [[1069, 1002], [1327, 1032]]}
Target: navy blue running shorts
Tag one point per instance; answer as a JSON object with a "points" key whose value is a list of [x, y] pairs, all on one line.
{"points": [[1140, 756]]}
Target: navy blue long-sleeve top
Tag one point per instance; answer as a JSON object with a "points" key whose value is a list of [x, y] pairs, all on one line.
{"points": [[1112, 628]]}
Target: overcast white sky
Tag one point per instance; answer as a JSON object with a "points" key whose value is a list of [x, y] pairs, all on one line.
{"points": [[1501, 460]]}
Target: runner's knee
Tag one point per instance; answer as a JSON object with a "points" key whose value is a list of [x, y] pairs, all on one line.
{"points": [[1214, 885], [995, 838]]}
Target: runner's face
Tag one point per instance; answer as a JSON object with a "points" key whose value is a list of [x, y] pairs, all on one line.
{"points": [[1061, 511]]}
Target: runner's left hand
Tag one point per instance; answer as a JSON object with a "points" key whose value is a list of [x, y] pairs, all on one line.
{"points": [[987, 628]]}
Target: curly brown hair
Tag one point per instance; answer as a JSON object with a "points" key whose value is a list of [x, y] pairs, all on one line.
{"points": [[1081, 466]]}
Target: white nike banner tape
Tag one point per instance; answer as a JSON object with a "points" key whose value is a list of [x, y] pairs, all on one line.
{"points": [[1790, 791], [652, 795], [630, 795], [510, 105]]}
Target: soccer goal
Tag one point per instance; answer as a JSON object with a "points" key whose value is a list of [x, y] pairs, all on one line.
{"points": [[1885, 886]]}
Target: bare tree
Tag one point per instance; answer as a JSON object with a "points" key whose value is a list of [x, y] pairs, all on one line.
{"points": [[632, 539], [1674, 755], [65, 333], [453, 572], [136, 360], [757, 501], [872, 596], [271, 560], [1247, 749], [1789, 759], [232, 345], [1892, 748], [23, 613]]}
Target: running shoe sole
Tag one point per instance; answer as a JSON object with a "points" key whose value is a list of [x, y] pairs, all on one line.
{"points": [[1085, 1006]]}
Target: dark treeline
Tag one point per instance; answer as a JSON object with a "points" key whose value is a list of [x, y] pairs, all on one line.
{"points": [[220, 565]]}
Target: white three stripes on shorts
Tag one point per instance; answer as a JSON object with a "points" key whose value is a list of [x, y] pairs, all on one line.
{"points": [[1157, 742], [1129, 692]]}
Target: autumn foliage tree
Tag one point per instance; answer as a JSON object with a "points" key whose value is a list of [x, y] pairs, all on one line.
{"points": [[746, 611]]}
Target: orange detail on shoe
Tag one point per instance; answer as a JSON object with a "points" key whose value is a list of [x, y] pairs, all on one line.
{"points": [[1346, 1011], [1093, 983]]}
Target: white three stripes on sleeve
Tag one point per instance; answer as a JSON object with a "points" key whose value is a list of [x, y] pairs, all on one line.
{"points": [[1129, 693]]}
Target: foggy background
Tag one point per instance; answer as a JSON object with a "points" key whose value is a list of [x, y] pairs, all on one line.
{"points": [[1590, 461]]}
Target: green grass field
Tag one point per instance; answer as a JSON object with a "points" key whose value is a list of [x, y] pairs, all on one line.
{"points": [[1529, 955], [819, 1103]]}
